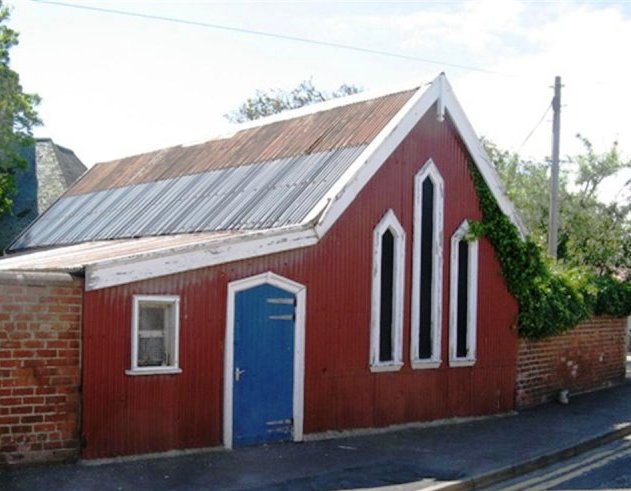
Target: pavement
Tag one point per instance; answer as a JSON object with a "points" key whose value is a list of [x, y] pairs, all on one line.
{"points": [[446, 457]]}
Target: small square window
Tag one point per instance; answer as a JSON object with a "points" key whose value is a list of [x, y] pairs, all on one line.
{"points": [[155, 335]]}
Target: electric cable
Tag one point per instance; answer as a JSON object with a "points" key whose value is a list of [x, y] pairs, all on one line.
{"points": [[271, 35], [534, 128]]}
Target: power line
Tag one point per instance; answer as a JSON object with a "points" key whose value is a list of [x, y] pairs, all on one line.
{"points": [[273, 35], [535, 127]]}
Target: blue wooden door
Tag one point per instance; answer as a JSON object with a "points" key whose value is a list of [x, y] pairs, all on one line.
{"points": [[263, 365]]}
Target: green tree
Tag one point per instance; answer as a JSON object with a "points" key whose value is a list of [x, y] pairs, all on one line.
{"points": [[268, 102], [592, 233], [17, 116]]}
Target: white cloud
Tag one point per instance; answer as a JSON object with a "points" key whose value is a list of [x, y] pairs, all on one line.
{"points": [[474, 27]]}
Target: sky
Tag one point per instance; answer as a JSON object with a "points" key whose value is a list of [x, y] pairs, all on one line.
{"points": [[114, 85]]}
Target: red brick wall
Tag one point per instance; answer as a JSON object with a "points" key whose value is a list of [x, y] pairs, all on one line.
{"points": [[589, 357], [40, 376]]}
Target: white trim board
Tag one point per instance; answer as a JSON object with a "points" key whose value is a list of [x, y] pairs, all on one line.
{"points": [[176, 260], [300, 291], [342, 194], [479, 156], [325, 213], [348, 186]]}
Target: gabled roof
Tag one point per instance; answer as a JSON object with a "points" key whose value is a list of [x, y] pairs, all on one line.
{"points": [[276, 184], [262, 177]]}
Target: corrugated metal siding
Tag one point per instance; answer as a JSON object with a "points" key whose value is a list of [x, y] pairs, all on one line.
{"points": [[252, 197], [124, 415], [351, 125]]}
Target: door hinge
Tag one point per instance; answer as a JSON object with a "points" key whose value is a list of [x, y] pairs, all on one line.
{"points": [[288, 317], [282, 301]]}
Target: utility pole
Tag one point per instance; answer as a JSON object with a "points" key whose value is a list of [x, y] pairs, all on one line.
{"points": [[553, 231]]}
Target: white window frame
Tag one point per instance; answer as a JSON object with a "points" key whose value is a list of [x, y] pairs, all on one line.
{"points": [[174, 367], [472, 300], [389, 222], [429, 170]]}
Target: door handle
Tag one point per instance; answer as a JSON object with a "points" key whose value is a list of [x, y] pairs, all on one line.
{"points": [[237, 373]]}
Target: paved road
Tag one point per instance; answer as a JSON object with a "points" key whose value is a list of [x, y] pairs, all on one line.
{"points": [[607, 467]]}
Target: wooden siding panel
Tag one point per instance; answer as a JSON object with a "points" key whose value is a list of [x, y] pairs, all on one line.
{"points": [[127, 415]]}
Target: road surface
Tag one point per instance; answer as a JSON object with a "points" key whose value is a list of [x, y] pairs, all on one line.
{"points": [[607, 467]]}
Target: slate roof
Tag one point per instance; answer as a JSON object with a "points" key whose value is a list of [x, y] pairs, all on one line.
{"points": [[51, 169]]}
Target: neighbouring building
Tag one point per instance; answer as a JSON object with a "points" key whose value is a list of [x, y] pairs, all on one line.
{"points": [[50, 170]]}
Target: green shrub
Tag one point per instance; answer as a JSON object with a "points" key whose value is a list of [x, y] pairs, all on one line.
{"points": [[551, 298]]}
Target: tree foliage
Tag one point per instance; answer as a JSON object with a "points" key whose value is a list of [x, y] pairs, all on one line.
{"points": [[592, 233], [17, 115], [594, 249], [268, 102]]}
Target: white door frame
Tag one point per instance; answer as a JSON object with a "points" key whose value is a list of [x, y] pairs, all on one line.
{"points": [[300, 291]]}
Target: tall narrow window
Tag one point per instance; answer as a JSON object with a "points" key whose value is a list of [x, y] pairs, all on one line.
{"points": [[386, 301], [155, 335], [463, 298], [427, 261], [427, 264], [387, 295]]}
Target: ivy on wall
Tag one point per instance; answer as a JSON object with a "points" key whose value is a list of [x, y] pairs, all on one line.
{"points": [[551, 298]]}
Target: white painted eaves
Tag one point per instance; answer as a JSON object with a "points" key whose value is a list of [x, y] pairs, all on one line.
{"points": [[108, 273], [344, 191], [480, 157]]}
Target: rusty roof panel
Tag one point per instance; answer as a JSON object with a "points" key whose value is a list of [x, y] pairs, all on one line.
{"points": [[258, 196], [349, 125]]}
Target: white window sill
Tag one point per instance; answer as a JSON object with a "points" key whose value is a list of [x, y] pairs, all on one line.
{"points": [[462, 362], [425, 364], [153, 371], [390, 367]]}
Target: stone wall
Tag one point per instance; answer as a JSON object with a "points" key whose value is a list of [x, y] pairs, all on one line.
{"points": [[40, 374], [589, 357]]}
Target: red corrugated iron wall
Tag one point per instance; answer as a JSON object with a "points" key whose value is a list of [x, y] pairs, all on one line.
{"points": [[130, 415]]}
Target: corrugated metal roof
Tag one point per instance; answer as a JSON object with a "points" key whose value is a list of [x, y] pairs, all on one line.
{"points": [[349, 125], [258, 196], [266, 176], [74, 258]]}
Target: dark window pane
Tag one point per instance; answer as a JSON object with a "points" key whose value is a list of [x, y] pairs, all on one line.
{"points": [[387, 297], [427, 261], [463, 298]]}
